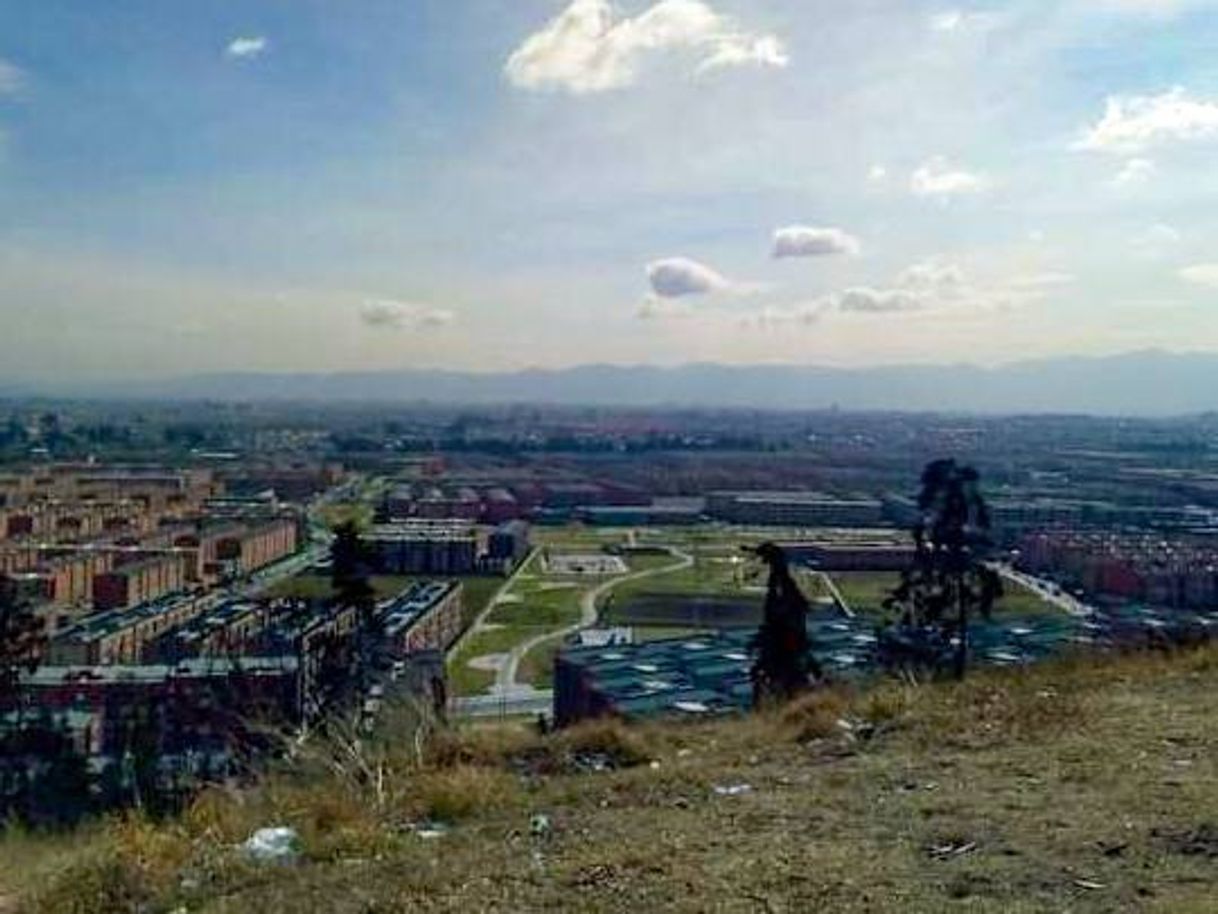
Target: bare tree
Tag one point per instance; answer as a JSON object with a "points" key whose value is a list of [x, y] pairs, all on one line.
{"points": [[949, 582]]}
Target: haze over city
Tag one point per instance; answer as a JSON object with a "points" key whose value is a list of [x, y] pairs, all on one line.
{"points": [[307, 186]]}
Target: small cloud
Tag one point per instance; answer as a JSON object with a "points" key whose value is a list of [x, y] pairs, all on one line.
{"points": [[809, 241], [1134, 173], [935, 275], [1157, 239], [955, 21], [12, 78], [1134, 123], [877, 174], [1036, 236], [590, 47], [946, 21], [936, 178], [1034, 282], [866, 300], [397, 315], [246, 46], [676, 277], [1201, 274]]}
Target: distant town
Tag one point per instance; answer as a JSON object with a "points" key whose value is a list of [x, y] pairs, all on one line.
{"points": [[181, 565]]}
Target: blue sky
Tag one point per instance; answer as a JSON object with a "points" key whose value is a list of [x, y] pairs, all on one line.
{"points": [[497, 184]]}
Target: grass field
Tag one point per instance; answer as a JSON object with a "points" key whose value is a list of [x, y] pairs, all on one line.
{"points": [[1073, 786], [534, 606]]}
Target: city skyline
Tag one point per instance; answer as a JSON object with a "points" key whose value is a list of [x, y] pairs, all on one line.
{"points": [[283, 187]]}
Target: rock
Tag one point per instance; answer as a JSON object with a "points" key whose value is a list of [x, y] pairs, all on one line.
{"points": [[278, 845]]}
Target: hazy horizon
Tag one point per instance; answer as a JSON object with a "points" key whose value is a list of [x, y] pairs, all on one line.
{"points": [[289, 187]]}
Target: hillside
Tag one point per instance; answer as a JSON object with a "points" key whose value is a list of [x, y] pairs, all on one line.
{"points": [[1079, 786]]}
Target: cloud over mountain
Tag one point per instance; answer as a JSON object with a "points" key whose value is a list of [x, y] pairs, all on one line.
{"points": [[675, 277], [384, 313]]}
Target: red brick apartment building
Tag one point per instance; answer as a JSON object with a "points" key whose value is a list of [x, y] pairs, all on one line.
{"points": [[137, 582]]}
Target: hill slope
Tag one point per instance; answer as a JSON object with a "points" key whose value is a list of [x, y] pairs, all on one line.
{"points": [[1080, 787]]}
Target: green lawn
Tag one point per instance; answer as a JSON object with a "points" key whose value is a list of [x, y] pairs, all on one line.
{"points": [[865, 591]]}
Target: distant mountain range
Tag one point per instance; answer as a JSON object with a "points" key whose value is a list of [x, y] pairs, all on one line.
{"points": [[1138, 383]]}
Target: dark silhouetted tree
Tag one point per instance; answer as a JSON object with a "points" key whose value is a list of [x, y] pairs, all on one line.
{"points": [[21, 645], [784, 665], [349, 579], [949, 582]]}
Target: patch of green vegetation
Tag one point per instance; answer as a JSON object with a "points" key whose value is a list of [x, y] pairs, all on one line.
{"points": [[358, 513]]}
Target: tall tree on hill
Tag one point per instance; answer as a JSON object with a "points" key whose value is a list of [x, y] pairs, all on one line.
{"points": [[784, 665], [349, 581], [21, 645], [949, 582]]}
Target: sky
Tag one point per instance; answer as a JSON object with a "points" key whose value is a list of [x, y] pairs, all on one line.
{"points": [[308, 185]]}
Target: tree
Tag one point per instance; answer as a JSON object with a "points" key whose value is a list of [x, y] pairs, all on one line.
{"points": [[349, 581], [784, 664], [949, 582], [21, 645]]}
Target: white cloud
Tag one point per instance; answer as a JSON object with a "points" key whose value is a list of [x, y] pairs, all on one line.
{"points": [[809, 241], [877, 173], [12, 79], [946, 21], [1034, 282], [398, 315], [1201, 274], [934, 276], [937, 178], [246, 46], [940, 285], [958, 21], [1157, 239], [1135, 123], [590, 48], [1134, 173], [878, 301], [675, 277]]}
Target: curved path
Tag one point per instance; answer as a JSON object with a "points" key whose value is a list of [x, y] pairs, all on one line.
{"points": [[505, 681]]}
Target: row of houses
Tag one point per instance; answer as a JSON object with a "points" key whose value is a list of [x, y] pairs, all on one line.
{"points": [[76, 579], [1145, 568]]}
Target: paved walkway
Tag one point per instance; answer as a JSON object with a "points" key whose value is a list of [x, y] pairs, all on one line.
{"points": [[506, 682], [1045, 590]]}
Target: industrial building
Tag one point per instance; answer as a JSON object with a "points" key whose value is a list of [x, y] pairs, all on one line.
{"points": [[418, 546], [709, 674], [425, 616], [794, 509]]}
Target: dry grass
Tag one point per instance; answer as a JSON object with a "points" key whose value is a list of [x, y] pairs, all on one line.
{"points": [[1074, 786]]}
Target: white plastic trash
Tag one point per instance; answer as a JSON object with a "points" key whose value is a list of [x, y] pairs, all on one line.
{"points": [[273, 845]]}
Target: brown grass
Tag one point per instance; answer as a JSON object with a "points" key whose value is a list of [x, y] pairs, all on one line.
{"points": [[1085, 786]]}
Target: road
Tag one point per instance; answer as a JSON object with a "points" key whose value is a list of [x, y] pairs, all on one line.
{"points": [[532, 702], [831, 586], [1046, 590], [505, 679]]}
